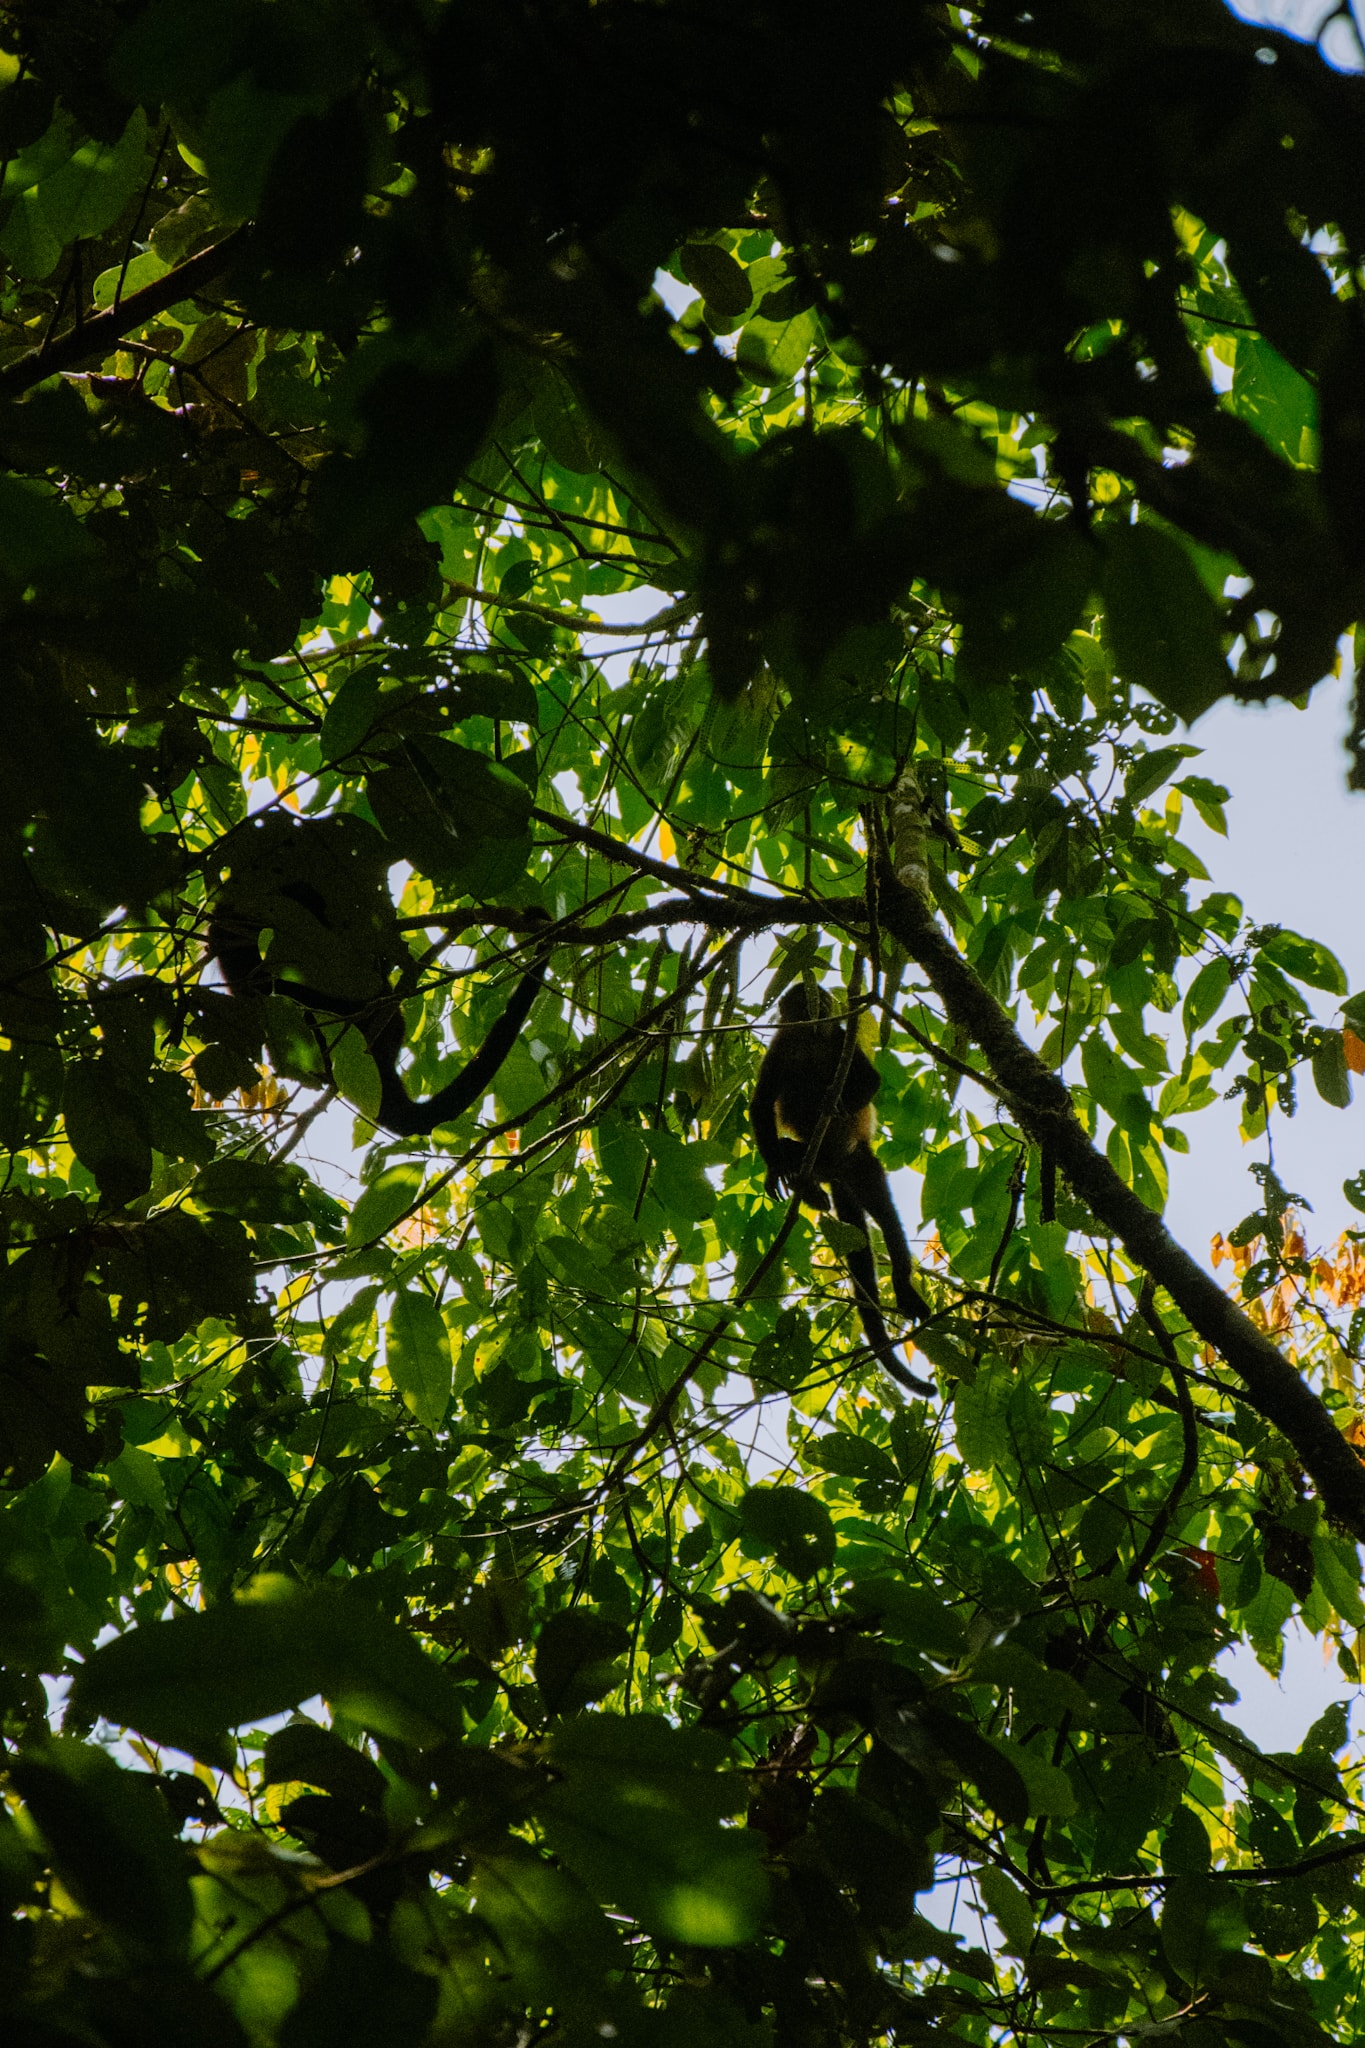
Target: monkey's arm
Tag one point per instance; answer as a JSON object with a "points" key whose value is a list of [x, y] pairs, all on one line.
{"points": [[784, 1159], [763, 1117]]}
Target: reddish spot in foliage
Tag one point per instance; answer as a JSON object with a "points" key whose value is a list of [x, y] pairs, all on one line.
{"points": [[1205, 1569]]}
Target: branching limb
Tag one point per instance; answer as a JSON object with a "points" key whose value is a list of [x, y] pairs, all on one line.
{"points": [[1044, 1109], [92, 339], [581, 622]]}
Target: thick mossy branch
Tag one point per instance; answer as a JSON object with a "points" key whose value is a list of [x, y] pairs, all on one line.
{"points": [[1044, 1109]]}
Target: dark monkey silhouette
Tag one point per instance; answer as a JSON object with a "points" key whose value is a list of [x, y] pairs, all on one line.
{"points": [[318, 888], [789, 1102]]}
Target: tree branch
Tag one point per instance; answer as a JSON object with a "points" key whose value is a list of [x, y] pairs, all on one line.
{"points": [[578, 622], [91, 339], [1043, 1106], [632, 857]]}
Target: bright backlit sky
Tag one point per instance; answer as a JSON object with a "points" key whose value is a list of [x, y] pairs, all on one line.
{"points": [[1330, 21], [1295, 854]]}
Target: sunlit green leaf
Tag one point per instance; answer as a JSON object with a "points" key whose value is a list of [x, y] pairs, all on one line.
{"points": [[417, 1354]]}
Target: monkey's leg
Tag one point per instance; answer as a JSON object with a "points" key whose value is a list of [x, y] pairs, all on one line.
{"points": [[865, 1176], [863, 1270]]}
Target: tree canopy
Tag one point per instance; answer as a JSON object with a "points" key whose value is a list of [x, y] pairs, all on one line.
{"points": [[698, 499]]}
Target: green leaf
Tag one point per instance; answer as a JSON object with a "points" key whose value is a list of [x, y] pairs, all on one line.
{"points": [[1208, 799], [980, 1416], [1149, 771], [304, 1753], [1114, 1086], [143, 270], [187, 1682], [679, 1177], [139, 1479], [772, 351], [384, 1201], [557, 1945], [1201, 1922], [1010, 1908], [996, 1777], [108, 1127], [1030, 1426], [1206, 995], [721, 281], [915, 1615], [576, 1658], [41, 540], [1283, 1918], [1042, 1694], [352, 713], [30, 1094], [417, 1354], [1016, 618], [453, 813], [39, 158], [852, 1457], [245, 123], [27, 239], [355, 1073], [423, 423], [257, 1190], [1160, 623], [1050, 1791], [363, 1993], [1185, 1848], [786, 1357], [792, 1526], [1306, 961], [1280, 404], [178, 51], [1331, 1075], [636, 1815], [91, 189], [111, 1841]]}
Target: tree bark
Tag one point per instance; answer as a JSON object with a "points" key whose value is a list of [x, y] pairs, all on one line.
{"points": [[1043, 1106]]}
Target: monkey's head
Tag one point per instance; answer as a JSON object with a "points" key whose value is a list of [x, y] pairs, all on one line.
{"points": [[794, 1006]]}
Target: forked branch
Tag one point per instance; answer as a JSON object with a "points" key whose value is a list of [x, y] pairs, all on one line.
{"points": [[1043, 1106]]}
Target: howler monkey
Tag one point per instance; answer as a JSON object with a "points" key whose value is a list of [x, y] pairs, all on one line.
{"points": [[318, 889], [789, 1103]]}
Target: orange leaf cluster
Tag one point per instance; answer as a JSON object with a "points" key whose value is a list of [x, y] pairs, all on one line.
{"points": [[1338, 1277]]}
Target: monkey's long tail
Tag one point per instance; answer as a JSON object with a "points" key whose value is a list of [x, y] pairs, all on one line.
{"points": [[409, 1119], [863, 1272]]}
